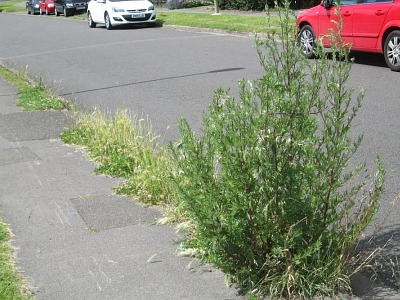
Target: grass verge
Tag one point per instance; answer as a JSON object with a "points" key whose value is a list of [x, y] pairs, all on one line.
{"points": [[236, 23], [31, 95], [227, 22], [12, 6], [11, 284]]}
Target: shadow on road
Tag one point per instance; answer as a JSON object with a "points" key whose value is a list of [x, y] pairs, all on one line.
{"points": [[369, 59], [386, 273]]}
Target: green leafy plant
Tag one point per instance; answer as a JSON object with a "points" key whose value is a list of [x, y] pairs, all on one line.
{"points": [[267, 186]]}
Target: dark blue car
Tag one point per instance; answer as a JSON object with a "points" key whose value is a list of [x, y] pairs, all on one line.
{"points": [[70, 7], [32, 7]]}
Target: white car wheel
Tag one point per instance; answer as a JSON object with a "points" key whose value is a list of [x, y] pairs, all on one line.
{"points": [[107, 21], [90, 20], [306, 41], [392, 50]]}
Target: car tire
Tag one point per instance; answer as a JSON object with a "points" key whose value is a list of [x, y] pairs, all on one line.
{"points": [[55, 12], [391, 50], [107, 21], [306, 40], [28, 11], [90, 20], [47, 12], [65, 12], [40, 11]]}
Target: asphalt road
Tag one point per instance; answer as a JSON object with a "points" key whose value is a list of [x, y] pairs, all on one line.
{"points": [[163, 74]]}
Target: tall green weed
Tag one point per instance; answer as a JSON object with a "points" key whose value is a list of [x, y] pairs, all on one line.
{"points": [[268, 186]]}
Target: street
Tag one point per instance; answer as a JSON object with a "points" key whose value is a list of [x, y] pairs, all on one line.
{"points": [[163, 74]]}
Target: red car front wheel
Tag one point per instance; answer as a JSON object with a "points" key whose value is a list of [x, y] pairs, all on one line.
{"points": [[392, 50]]}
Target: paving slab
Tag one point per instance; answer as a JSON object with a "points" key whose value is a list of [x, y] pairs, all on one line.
{"points": [[74, 237]]}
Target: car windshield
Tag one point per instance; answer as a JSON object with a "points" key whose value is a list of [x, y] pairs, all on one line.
{"points": [[123, 0]]}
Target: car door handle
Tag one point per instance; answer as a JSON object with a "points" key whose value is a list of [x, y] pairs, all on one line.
{"points": [[379, 13], [347, 13]]}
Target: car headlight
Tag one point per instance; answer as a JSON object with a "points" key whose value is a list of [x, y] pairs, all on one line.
{"points": [[151, 7], [50, 5], [116, 9], [69, 5], [36, 5]]}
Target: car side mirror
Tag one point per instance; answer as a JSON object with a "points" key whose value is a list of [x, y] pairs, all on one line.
{"points": [[327, 3]]}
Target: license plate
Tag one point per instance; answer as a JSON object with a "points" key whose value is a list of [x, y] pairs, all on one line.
{"points": [[138, 16], [80, 7]]}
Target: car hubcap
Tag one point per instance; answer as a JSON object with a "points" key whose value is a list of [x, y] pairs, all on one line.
{"points": [[393, 51], [307, 41]]}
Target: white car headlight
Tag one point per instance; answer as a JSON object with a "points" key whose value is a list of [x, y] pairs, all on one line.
{"points": [[116, 9], [151, 7], [69, 5]]}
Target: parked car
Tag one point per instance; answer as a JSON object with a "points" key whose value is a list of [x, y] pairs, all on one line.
{"points": [[70, 7], [46, 6], [369, 26], [120, 12], [32, 7]]}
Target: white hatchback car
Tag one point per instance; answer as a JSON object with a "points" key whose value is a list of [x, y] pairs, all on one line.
{"points": [[120, 12]]}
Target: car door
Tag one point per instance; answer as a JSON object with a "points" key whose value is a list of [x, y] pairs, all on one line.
{"points": [[328, 18], [369, 17], [42, 5], [60, 5], [57, 5], [97, 9]]}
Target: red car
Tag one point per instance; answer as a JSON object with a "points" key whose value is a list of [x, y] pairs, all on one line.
{"points": [[369, 26], [46, 7]]}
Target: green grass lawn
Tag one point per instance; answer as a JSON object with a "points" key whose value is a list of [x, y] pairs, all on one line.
{"points": [[12, 6], [224, 21]]}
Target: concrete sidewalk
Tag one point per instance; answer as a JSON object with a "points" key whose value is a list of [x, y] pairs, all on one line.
{"points": [[75, 238]]}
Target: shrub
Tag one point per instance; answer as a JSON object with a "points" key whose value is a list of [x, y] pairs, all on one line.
{"points": [[268, 186], [178, 4], [260, 5]]}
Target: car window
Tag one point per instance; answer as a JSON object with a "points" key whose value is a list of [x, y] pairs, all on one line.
{"points": [[377, 1], [123, 0], [346, 2]]}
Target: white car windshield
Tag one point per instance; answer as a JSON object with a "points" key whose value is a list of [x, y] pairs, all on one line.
{"points": [[123, 0]]}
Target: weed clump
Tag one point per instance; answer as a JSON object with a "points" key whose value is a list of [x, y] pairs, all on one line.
{"points": [[267, 186], [125, 146]]}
